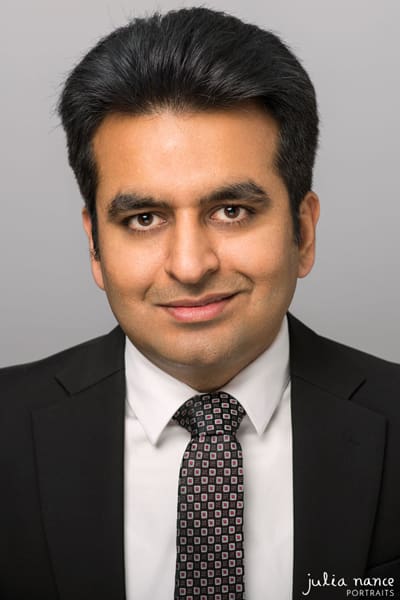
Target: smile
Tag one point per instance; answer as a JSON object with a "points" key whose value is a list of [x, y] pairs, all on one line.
{"points": [[197, 310]]}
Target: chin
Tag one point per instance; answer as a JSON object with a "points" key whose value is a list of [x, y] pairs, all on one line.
{"points": [[196, 357], [186, 354]]}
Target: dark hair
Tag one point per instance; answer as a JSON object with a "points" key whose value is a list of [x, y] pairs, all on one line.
{"points": [[196, 59]]}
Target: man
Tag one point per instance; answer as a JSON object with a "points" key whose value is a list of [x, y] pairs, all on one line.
{"points": [[211, 446]]}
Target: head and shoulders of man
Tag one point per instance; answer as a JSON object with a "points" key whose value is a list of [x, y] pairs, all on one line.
{"points": [[193, 137]]}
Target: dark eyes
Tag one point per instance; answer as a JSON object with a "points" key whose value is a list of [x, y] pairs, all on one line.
{"points": [[230, 213], [226, 215], [146, 219]]}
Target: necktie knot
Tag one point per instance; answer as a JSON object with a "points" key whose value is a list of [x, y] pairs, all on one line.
{"points": [[216, 413]]}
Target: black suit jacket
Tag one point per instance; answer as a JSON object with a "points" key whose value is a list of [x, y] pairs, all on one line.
{"points": [[62, 456]]}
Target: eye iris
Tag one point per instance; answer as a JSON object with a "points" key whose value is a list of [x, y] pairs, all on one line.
{"points": [[232, 211], [145, 219]]}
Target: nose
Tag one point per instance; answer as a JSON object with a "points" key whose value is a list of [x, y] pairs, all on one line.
{"points": [[191, 256]]}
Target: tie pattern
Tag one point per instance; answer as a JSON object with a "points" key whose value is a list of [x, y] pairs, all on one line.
{"points": [[210, 563]]}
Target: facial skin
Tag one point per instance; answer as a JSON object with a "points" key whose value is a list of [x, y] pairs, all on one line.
{"points": [[196, 240]]}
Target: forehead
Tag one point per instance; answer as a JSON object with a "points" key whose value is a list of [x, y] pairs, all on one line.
{"points": [[183, 152]]}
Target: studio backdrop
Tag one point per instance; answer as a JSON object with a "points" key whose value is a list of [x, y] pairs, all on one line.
{"points": [[350, 49]]}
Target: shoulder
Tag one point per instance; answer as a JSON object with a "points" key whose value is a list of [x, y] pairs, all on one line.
{"points": [[37, 382], [378, 372], [362, 377], [380, 390], [372, 364], [49, 363], [312, 345]]}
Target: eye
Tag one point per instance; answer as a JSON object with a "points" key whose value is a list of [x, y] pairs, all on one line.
{"points": [[144, 221], [231, 214]]}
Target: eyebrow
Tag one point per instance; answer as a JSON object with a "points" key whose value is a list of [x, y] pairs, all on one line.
{"points": [[249, 190]]}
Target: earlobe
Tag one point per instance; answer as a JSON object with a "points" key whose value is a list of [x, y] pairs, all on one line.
{"points": [[94, 260], [308, 216]]}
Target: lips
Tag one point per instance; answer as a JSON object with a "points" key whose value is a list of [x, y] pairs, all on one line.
{"points": [[210, 299], [205, 308]]}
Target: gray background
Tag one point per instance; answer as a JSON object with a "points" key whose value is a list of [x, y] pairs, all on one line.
{"points": [[351, 50]]}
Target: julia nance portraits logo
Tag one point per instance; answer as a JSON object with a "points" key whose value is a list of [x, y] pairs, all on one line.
{"points": [[354, 587]]}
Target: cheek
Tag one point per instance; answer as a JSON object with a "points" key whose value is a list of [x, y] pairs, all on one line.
{"points": [[268, 257], [128, 268]]}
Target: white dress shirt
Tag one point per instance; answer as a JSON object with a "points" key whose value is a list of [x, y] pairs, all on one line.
{"points": [[154, 446]]}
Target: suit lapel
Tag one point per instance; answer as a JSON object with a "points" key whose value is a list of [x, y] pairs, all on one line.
{"points": [[80, 456], [338, 449]]}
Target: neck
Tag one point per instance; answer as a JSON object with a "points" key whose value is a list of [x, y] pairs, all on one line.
{"points": [[204, 379]]}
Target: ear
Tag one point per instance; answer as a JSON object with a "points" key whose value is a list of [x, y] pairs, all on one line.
{"points": [[308, 217], [94, 261]]}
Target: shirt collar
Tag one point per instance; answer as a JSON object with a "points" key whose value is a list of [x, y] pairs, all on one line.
{"points": [[153, 396]]}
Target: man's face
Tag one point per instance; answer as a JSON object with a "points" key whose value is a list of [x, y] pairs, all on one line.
{"points": [[196, 241]]}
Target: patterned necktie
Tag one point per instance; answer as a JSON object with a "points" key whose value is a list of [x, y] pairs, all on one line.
{"points": [[210, 562]]}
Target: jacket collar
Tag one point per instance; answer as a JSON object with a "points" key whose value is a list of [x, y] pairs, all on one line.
{"points": [[92, 362], [328, 365]]}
